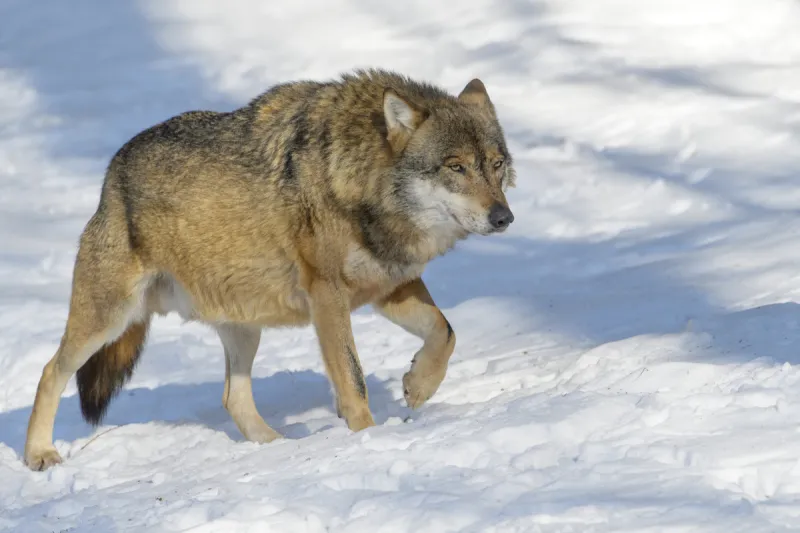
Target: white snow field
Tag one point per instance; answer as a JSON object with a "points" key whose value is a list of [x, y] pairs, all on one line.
{"points": [[628, 355]]}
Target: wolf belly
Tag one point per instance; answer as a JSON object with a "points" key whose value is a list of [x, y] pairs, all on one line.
{"points": [[230, 299]]}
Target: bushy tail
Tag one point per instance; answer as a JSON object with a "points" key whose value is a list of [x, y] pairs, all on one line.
{"points": [[105, 373]]}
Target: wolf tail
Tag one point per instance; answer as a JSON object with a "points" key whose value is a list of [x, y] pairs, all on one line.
{"points": [[107, 370]]}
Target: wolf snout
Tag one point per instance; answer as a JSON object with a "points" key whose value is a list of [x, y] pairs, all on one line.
{"points": [[500, 217]]}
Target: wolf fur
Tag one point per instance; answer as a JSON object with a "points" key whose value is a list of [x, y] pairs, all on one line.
{"points": [[314, 199]]}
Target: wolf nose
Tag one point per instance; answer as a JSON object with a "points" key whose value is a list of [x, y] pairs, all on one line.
{"points": [[500, 216]]}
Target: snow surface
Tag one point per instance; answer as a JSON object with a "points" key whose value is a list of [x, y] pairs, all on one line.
{"points": [[627, 354]]}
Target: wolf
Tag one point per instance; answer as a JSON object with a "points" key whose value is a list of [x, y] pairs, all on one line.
{"points": [[310, 201]]}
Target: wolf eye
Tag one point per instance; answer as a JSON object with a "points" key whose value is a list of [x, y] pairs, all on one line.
{"points": [[498, 164], [457, 168]]}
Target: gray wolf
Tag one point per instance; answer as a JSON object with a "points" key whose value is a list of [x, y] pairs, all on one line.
{"points": [[312, 200]]}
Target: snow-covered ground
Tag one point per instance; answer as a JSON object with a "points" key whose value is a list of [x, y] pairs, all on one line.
{"points": [[628, 354]]}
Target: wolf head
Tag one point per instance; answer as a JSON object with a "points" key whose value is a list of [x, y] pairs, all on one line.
{"points": [[452, 162]]}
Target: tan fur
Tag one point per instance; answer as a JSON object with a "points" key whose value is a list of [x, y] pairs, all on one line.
{"points": [[311, 201]]}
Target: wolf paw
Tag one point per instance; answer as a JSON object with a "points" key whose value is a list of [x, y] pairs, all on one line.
{"points": [[418, 386], [260, 432], [360, 422], [39, 460], [356, 418]]}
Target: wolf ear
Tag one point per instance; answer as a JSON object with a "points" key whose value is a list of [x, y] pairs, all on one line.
{"points": [[475, 94], [402, 118]]}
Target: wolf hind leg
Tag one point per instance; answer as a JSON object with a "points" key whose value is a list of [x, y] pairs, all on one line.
{"points": [[107, 322], [240, 343]]}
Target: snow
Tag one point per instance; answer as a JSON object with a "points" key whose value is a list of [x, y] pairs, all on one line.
{"points": [[627, 355]]}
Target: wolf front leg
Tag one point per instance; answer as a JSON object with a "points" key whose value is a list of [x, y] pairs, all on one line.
{"points": [[330, 311], [411, 307]]}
